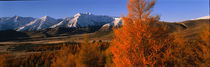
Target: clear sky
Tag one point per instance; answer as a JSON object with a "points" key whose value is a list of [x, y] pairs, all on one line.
{"points": [[169, 10]]}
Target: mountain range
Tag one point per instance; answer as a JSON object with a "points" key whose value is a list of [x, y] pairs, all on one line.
{"points": [[79, 20], [23, 28]]}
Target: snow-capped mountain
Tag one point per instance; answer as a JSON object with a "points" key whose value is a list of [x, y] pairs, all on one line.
{"points": [[14, 22], [62, 23], [116, 23], [79, 20], [205, 17], [39, 24], [84, 20], [88, 19]]}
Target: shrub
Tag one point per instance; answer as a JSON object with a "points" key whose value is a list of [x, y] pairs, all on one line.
{"points": [[3, 60], [65, 57], [89, 54], [192, 52], [42, 59], [141, 41], [82, 55]]}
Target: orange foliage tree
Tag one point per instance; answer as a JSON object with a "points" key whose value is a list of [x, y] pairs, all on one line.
{"points": [[141, 41]]}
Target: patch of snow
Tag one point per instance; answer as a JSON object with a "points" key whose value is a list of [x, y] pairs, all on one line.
{"points": [[88, 19], [62, 23], [39, 24], [117, 22], [205, 17], [14, 22]]}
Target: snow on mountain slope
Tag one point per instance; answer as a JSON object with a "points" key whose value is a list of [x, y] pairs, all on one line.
{"points": [[39, 24], [62, 23], [88, 19], [116, 23], [205, 17], [14, 22], [79, 20], [31, 24]]}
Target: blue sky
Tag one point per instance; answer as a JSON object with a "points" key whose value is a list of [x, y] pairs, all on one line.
{"points": [[169, 10]]}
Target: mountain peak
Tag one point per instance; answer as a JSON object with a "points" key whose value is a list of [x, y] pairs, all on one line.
{"points": [[80, 14], [46, 17], [15, 17]]}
